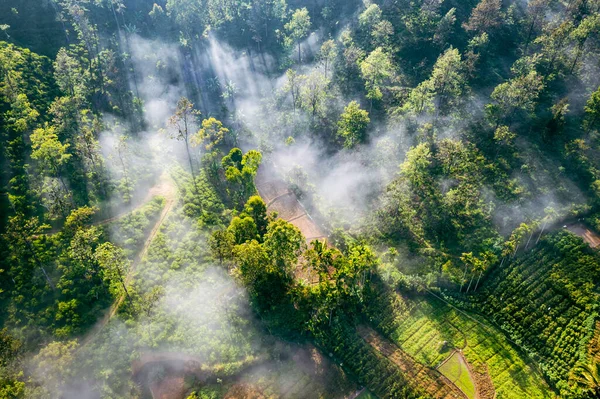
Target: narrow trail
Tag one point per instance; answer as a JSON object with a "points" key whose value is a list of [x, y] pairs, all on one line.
{"points": [[167, 190]]}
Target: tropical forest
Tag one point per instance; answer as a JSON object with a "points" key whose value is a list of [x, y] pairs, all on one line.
{"points": [[299, 199]]}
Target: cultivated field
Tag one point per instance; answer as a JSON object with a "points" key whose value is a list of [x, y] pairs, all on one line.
{"points": [[430, 330]]}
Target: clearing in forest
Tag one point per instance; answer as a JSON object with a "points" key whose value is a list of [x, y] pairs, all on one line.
{"points": [[588, 235], [456, 369], [278, 197]]}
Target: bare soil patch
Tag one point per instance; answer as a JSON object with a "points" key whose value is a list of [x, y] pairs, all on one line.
{"points": [[584, 232], [280, 199]]}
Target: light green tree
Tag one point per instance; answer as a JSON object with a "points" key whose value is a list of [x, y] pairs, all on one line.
{"points": [[518, 93], [115, 265], [313, 93], [327, 54], [592, 111], [377, 70], [353, 123], [298, 28]]}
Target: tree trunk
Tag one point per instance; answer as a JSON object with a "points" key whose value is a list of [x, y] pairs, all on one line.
{"points": [[470, 282], [541, 232], [479, 278], [527, 245], [463, 278]]}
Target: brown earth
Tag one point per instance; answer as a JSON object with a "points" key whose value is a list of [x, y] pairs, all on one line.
{"points": [[423, 377], [170, 387], [244, 391], [483, 382], [280, 199], [588, 235]]}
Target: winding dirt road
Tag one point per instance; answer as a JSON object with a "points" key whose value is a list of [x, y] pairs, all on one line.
{"points": [[166, 189]]}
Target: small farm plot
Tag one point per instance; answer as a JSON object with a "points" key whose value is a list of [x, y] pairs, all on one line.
{"points": [[456, 369], [429, 330]]}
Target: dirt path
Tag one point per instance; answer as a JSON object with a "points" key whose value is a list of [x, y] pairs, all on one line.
{"points": [[167, 190], [430, 380], [278, 197], [588, 235]]}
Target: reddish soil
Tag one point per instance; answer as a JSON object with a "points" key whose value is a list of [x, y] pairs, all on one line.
{"points": [[483, 382], [588, 235], [168, 388], [280, 199], [428, 379], [244, 391]]}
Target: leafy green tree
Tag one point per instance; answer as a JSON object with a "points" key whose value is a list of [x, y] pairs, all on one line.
{"points": [[52, 155], [519, 93], [592, 110], [48, 150], [115, 265], [240, 170], [221, 243], [56, 362], [283, 243], [298, 27], [313, 94], [352, 126], [327, 54], [445, 28], [370, 17], [378, 71], [71, 77], [446, 84], [589, 26], [257, 209], [211, 134], [448, 78], [190, 15], [243, 229], [292, 86], [536, 13]]}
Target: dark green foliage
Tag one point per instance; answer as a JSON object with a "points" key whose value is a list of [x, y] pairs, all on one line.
{"points": [[545, 301]]}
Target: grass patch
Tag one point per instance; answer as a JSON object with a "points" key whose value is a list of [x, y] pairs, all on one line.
{"points": [[366, 394], [456, 370]]}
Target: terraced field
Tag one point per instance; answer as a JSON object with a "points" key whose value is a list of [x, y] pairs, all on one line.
{"points": [[429, 330]]}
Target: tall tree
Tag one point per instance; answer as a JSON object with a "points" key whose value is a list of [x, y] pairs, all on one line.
{"points": [[298, 28], [519, 93], [183, 122], [592, 111], [211, 134]]}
